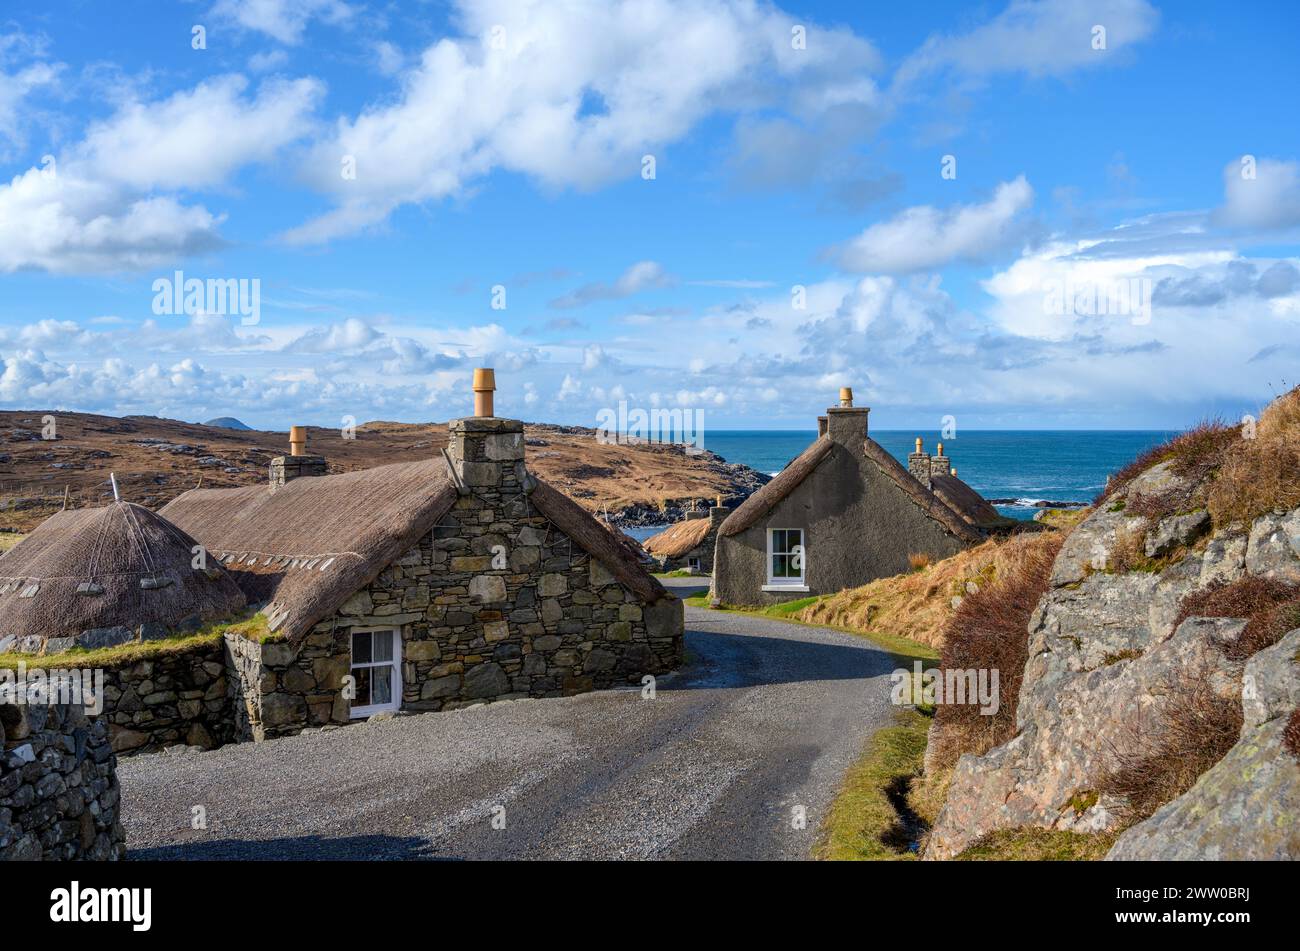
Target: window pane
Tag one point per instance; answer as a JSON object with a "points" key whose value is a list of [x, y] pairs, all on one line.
{"points": [[795, 538], [778, 541], [361, 648], [381, 690], [780, 566], [383, 645], [362, 677]]}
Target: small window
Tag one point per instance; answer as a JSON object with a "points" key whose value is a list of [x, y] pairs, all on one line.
{"points": [[785, 557], [376, 672], [693, 564]]}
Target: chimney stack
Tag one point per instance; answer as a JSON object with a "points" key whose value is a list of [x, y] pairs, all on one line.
{"points": [[846, 424], [297, 464], [718, 512], [940, 464], [918, 463], [487, 452]]}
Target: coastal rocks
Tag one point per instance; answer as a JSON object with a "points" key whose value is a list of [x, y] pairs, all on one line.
{"points": [[1176, 531], [59, 795], [1061, 754], [1247, 806], [1107, 654], [1273, 550]]}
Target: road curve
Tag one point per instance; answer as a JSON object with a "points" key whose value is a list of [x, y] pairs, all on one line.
{"points": [[764, 719]]}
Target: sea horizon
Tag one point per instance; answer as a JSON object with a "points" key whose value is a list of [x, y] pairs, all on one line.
{"points": [[1029, 466]]}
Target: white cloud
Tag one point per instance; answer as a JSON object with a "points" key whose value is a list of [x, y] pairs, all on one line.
{"points": [[1037, 37], [283, 20], [925, 237], [643, 275], [96, 210], [1269, 200], [564, 110]]}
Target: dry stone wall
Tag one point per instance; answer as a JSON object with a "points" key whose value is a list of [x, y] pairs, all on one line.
{"points": [[59, 793]]}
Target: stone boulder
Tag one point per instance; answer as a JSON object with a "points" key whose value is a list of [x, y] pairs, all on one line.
{"points": [[1247, 807], [1104, 655]]}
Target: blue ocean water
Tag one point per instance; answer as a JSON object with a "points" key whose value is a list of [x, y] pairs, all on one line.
{"points": [[1026, 465]]}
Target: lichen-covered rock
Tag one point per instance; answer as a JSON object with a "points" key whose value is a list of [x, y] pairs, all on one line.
{"points": [[1048, 774], [1248, 805], [1104, 651]]}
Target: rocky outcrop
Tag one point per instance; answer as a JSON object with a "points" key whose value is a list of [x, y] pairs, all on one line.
{"points": [[1106, 655], [1248, 805]]}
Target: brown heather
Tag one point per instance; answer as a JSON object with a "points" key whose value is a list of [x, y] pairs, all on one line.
{"points": [[1156, 763], [1261, 474], [990, 630], [1271, 607]]}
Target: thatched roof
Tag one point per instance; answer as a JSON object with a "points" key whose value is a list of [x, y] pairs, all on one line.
{"points": [[307, 547], [927, 500], [116, 566], [788, 479], [966, 502], [785, 482], [676, 540]]}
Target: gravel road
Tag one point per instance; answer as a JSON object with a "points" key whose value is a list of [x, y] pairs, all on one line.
{"points": [[765, 718]]}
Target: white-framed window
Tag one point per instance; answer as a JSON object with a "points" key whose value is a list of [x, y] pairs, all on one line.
{"points": [[693, 564], [786, 559], [376, 671]]}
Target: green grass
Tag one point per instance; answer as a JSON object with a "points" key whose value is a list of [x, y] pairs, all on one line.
{"points": [[123, 655], [900, 646], [678, 573], [1038, 845], [862, 823], [9, 540]]}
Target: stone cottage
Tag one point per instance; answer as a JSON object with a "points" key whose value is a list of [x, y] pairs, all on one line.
{"points": [[689, 544], [426, 585], [841, 514]]}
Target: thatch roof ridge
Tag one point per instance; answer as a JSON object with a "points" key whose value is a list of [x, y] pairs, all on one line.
{"points": [[782, 484], [966, 502], [923, 497], [119, 565], [679, 538]]}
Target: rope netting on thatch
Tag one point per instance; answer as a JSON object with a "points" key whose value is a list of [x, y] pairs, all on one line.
{"points": [[119, 565]]}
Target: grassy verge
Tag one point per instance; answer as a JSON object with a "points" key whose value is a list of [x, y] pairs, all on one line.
{"points": [[678, 573], [253, 628], [864, 822], [1038, 845], [9, 540], [900, 646]]}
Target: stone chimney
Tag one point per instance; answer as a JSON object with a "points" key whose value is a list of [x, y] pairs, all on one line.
{"points": [[846, 424], [918, 463], [487, 453], [718, 513], [297, 464], [940, 465]]}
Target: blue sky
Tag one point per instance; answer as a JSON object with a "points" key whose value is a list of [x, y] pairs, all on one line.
{"points": [[502, 145]]}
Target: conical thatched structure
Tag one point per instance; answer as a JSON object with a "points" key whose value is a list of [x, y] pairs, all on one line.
{"points": [[103, 576]]}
